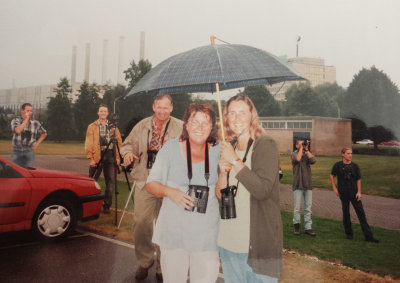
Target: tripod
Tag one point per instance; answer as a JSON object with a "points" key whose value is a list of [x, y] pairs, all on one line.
{"points": [[114, 141]]}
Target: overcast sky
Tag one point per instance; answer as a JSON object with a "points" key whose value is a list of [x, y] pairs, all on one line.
{"points": [[36, 36]]}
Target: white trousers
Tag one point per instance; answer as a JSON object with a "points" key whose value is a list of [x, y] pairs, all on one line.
{"points": [[175, 265]]}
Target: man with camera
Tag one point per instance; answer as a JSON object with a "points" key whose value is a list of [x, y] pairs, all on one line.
{"points": [[27, 135], [349, 190], [140, 148], [302, 159], [101, 152]]}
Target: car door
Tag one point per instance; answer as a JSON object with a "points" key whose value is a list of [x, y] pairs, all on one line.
{"points": [[15, 193]]}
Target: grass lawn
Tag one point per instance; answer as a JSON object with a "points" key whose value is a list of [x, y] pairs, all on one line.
{"points": [[330, 244], [49, 148], [380, 174]]}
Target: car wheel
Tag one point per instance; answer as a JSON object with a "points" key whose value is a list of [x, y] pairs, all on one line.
{"points": [[54, 219]]}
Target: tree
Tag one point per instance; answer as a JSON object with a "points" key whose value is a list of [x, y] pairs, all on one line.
{"points": [[5, 120], [59, 113], [303, 100], [112, 95], [374, 98], [181, 102], [380, 134], [359, 130], [135, 72], [85, 107], [334, 91], [265, 103]]}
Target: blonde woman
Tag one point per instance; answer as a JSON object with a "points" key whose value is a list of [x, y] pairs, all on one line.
{"points": [[250, 242]]}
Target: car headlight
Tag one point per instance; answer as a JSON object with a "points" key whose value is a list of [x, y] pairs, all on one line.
{"points": [[97, 186]]}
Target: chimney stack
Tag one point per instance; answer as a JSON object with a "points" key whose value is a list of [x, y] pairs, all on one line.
{"points": [[73, 66], [120, 58], [142, 45], [87, 62], [104, 66]]}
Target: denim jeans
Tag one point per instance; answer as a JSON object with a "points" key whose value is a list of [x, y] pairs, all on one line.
{"points": [[23, 156], [298, 195], [236, 269]]}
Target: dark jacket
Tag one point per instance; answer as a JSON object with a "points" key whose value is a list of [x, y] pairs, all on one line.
{"points": [[262, 181], [302, 172]]}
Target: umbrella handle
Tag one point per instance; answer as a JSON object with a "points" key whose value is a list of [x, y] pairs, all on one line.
{"points": [[220, 112]]}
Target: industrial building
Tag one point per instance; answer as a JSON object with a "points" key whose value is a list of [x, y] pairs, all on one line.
{"points": [[327, 135]]}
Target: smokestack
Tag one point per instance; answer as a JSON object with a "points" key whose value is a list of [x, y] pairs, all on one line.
{"points": [[87, 62], [142, 45], [73, 66], [120, 58], [104, 66]]}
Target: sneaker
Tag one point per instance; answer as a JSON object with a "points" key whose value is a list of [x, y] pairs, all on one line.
{"points": [[310, 232], [297, 229], [142, 272], [106, 210], [373, 240], [349, 237]]}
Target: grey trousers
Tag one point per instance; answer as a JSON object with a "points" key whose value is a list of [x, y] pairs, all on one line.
{"points": [[146, 209]]}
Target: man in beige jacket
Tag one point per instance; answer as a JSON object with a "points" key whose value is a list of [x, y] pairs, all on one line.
{"points": [[98, 136], [140, 148]]}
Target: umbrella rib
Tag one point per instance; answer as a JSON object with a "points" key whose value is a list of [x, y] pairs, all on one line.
{"points": [[220, 65]]}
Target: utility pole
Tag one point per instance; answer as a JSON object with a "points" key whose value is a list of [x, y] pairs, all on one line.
{"points": [[297, 45]]}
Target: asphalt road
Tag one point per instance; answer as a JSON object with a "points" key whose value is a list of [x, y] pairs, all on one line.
{"points": [[82, 257]]}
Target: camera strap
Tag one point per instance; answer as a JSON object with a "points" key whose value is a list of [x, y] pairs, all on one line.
{"points": [[189, 162], [249, 143]]}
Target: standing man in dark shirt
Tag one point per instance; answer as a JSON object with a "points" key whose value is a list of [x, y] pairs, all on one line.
{"points": [[302, 159], [349, 190]]}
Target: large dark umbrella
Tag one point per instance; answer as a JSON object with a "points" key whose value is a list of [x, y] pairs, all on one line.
{"points": [[212, 68]]}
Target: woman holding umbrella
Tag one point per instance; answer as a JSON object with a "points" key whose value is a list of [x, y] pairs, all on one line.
{"points": [[250, 240], [184, 175]]}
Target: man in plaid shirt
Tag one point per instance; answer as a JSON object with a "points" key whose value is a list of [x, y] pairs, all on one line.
{"points": [[27, 135]]}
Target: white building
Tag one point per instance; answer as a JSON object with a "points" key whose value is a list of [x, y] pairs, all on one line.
{"points": [[38, 96], [313, 69]]}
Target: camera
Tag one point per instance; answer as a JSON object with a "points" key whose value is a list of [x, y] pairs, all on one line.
{"points": [[200, 196], [228, 208], [26, 135], [151, 158], [103, 141], [113, 121], [306, 142]]}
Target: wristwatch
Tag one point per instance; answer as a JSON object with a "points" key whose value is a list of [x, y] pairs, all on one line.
{"points": [[235, 161]]}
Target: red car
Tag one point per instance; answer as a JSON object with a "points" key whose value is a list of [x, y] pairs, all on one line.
{"points": [[395, 143], [48, 202]]}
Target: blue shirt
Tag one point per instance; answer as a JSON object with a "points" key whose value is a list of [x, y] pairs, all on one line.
{"points": [[176, 227]]}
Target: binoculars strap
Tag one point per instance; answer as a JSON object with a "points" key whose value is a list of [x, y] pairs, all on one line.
{"points": [[249, 143], [189, 162]]}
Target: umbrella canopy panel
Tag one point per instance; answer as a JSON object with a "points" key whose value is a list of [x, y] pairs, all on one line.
{"points": [[199, 69]]}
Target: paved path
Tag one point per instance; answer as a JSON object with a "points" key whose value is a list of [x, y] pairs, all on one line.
{"points": [[381, 211]]}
